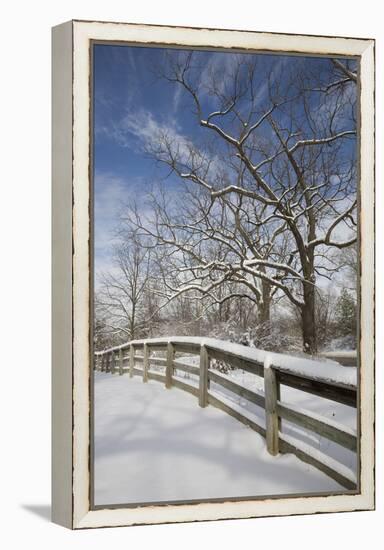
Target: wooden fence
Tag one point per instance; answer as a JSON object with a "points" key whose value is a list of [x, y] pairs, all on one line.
{"points": [[345, 358], [137, 357]]}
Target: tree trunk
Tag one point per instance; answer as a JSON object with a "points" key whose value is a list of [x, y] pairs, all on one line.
{"points": [[264, 312], [132, 329], [308, 321], [264, 305]]}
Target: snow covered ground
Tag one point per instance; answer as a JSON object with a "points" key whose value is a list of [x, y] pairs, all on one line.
{"points": [[158, 445], [330, 410]]}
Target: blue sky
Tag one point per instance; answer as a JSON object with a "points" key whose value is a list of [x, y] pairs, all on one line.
{"points": [[131, 104], [125, 89]]}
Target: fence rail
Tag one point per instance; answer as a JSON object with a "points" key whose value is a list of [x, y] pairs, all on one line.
{"points": [[126, 358]]}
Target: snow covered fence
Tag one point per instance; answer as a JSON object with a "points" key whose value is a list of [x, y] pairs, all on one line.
{"points": [[325, 379], [345, 358]]}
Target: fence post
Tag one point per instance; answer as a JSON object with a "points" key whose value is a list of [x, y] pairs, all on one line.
{"points": [[169, 365], [145, 363], [271, 416], [121, 362], [131, 360], [203, 378], [278, 398]]}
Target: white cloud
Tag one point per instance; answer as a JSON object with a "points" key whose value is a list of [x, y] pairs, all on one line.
{"points": [[177, 95], [218, 64], [150, 132], [111, 194]]}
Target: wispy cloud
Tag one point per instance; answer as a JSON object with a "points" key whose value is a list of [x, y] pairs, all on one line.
{"points": [[218, 66], [112, 193], [277, 69], [221, 69], [177, 95], [142, 130]]}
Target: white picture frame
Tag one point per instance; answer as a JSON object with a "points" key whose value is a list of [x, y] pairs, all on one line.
{"points": [[71, 389]]}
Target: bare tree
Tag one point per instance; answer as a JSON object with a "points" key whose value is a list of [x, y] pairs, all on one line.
{"points": [[102, 338], [271, 190], [124, 295]]}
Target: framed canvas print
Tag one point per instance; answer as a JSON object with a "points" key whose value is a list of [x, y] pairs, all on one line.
{"points": [[213, 274]]}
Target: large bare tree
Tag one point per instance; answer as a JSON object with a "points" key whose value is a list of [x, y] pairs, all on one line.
{"points": [[269, 181]]}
